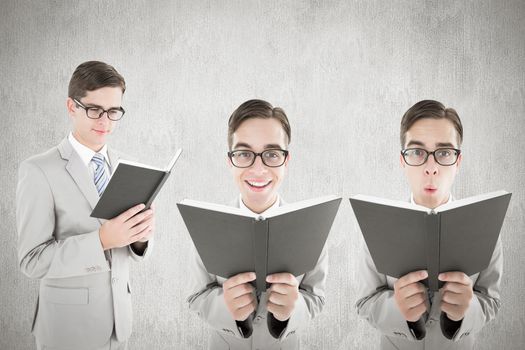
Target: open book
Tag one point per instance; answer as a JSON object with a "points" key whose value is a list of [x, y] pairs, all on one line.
{"points": [[132, 183], [230, 241], [457, 236]]}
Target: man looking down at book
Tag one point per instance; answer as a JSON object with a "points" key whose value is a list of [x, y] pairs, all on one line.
{"points": [[407, 314], [258, 138], [82, 262]]}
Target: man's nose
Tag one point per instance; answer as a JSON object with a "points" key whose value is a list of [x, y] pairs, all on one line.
{"points": [[258, 165], [103, 117], [431, 167]]}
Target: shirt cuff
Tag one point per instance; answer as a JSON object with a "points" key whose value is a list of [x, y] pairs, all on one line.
{"points": [[141, 251], [245, 327], [449, 328], [418, 328], [276, 327]]}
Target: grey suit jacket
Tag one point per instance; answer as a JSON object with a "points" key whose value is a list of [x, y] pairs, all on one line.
{"points": [[83, 295], [207, 301], [376, 304]]}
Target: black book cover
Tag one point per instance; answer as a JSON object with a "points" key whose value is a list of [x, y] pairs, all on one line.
{"points": [[230, 242], [131, 184], [457, 236]]}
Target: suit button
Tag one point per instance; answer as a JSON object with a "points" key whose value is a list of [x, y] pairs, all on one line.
{"points": [[114, 280]]}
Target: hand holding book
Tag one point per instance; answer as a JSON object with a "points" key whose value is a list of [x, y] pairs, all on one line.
{"points": [[239, 295], [411, 295], [127, 228], [283, 293], [456, 294]]}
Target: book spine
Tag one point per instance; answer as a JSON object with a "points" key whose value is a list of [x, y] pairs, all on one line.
{"points": [[432, 244], [261, 252], [157, 190]]}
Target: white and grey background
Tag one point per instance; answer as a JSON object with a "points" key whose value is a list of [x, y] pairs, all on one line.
{"points": [[344, 71]]}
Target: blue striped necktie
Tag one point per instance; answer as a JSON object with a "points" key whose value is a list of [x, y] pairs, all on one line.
{"points": [[101, 177]]}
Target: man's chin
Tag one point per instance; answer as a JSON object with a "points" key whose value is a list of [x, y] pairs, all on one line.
{"points": [[259, 199], [433, 202]]}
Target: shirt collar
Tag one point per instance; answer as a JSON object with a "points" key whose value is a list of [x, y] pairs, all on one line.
{"points": [[450, 199], [86, 153], [266, 212]]}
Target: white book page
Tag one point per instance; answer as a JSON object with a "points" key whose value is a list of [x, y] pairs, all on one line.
{"points": [[470, 200], [137, 164], [288, 208], [217, 207], [146, 166], [390, 202], [174, 159]]}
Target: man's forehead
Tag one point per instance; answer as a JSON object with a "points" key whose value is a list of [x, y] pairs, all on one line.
{"points": [[255, 145], [432, 133], [259, 133], [104, 94]]}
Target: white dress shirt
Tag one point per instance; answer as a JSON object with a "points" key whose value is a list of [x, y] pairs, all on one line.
{"points": [[86, 155], [267, 212]]}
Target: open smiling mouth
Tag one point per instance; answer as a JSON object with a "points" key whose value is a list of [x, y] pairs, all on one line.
{"points": [[258, 184]]}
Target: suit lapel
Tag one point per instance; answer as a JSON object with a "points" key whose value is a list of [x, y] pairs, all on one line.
{"points": [[78, 171], [113, 159]]}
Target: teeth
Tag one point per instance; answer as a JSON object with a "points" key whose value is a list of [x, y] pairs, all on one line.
{"points": [[258, 183]]}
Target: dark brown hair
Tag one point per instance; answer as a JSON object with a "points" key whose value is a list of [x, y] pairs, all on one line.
{"points": [[256, 109], [429, 109], [93, 75]]}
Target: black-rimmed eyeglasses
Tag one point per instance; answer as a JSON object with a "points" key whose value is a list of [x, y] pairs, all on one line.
{"points": [[97, 112], [272, 158], [419, 156]]}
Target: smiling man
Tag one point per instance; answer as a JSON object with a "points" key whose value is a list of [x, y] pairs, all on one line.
{"points": [[407, 314], [258, 138], [82, 263]]}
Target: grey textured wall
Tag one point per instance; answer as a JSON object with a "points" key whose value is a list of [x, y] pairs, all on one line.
{"points": [[345, 71]]}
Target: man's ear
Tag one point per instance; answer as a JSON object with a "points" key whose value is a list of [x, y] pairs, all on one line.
{"points": [[288, 159], [401, 161], [229, 161], [71, 106], [460, 158]]}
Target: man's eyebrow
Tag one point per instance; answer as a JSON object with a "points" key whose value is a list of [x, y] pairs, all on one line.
{"points": [[438, 145], [415, 143], [268, 146], [445, 144], [242, 145], [272, 146], [98, 106]]}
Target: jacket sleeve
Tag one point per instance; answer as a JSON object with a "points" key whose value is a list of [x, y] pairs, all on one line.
{"points": [[311, 297], [207, 299], [485, 303], [376, 303], [40, 255]]}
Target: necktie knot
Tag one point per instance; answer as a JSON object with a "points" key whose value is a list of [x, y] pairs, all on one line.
{"points": [[98, 159]]}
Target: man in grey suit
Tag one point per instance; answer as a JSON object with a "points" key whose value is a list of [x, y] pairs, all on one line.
{"points": [[258, 138], [84, 299], [407, 314]]}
